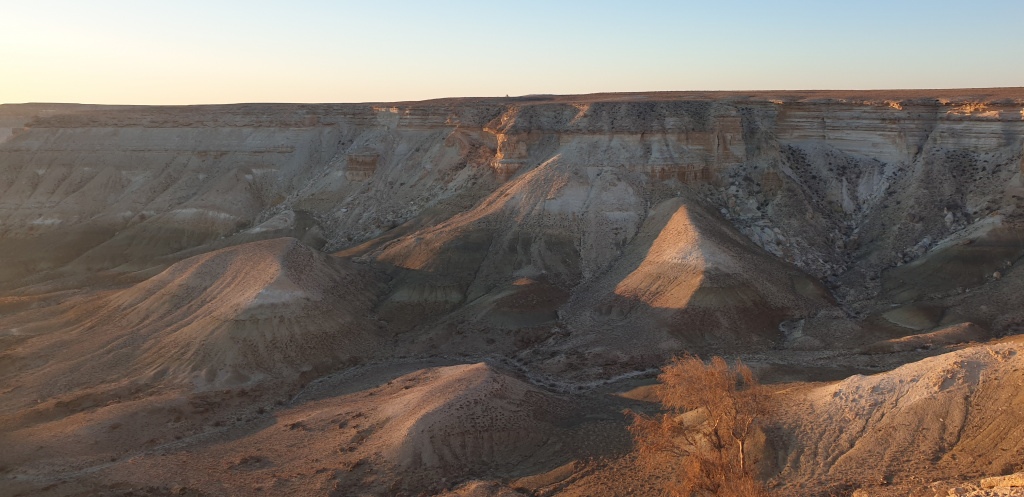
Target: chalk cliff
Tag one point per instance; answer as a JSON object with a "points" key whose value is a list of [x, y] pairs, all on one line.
{"points": [[847, 202]]}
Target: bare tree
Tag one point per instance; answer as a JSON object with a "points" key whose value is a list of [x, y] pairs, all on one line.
{"points": [[712, 411]]}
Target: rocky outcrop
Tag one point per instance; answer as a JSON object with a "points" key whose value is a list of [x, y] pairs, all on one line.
{"points": [[1014, 480], [951, 414]]}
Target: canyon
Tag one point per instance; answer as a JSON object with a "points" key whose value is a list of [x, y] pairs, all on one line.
{"points": [[462, 296]]}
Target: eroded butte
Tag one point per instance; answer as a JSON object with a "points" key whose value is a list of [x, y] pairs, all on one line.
{"points": [[462, 296]]}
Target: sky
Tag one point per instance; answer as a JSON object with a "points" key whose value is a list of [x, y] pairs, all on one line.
{"points": [[227, 51]]}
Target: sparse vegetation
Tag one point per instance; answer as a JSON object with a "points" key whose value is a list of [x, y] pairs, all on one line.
{"points": [[712, 412]]}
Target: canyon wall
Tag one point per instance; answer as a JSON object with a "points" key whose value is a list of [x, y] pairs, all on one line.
{"points": [[475, 206]]}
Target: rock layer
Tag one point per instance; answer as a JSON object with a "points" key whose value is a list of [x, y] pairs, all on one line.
{"points": [[884, 199], [167, 293]]}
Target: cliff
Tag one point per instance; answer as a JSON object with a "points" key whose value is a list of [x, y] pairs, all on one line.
{"points": [[395, 297], [859, 198]]}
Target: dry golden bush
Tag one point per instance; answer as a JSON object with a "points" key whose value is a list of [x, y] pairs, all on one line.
{"points": [[712, 410]]}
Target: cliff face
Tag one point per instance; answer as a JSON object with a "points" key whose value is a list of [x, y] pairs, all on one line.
{"points": [[259, 297], [476, 205]]}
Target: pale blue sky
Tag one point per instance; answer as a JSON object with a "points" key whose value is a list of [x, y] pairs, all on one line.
{"points": [[179, 52]]}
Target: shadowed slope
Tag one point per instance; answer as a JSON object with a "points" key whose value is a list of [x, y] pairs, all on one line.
{"points": [[420, 431], [466, 417], [559, 222], [688, 278], [267, 309], [565, 244]]}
